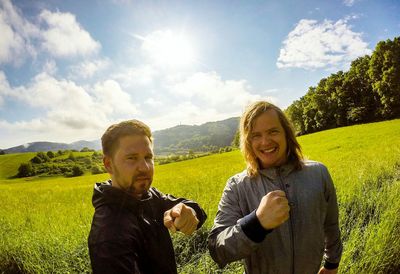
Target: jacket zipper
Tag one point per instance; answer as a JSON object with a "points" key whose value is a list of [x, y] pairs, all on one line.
{"points": [[283, 186]]}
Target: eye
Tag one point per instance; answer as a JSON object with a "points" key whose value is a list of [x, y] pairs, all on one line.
{"points": [[149, 158], [255, 136]]}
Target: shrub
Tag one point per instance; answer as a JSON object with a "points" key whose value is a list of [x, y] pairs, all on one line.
{"points": [[43, 157], [36, 160], [25, 170], [50, 154], [77, 171], [71, 156], [97, 170]]}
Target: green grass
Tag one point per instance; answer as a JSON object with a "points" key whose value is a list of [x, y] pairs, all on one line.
{"points": [[9, 163], [44, 222]]}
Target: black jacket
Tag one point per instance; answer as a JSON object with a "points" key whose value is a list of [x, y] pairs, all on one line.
{"points": [[128, 235]]}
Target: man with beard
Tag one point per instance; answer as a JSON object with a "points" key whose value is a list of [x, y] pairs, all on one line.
{"points": [[129, 232]]}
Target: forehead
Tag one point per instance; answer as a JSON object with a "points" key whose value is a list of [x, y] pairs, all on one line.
{"points": [[266, 120], [134, 144]]}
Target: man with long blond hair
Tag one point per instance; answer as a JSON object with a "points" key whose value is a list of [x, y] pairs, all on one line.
{"points": [[281, 214]]}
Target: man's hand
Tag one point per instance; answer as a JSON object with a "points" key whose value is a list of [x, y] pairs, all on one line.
{"points": [[273, 209], [181, 218], [323, 270]]}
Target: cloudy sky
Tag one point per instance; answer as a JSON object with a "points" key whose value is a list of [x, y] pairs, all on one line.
{"points": [[68, 69]]}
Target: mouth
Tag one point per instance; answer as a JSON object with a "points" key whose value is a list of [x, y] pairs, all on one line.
{"points": [[269, 150]]}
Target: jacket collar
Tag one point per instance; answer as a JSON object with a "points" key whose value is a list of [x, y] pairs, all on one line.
{"points": [[275, 172], [105, 193]]}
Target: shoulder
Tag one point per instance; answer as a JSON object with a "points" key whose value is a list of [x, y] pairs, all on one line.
{"points": [[239, 182], [314, 166], [238, 178]]}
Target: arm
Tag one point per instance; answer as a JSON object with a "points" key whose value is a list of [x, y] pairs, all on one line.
{"points": [[234, 235], [333, 243], [174, 207]]}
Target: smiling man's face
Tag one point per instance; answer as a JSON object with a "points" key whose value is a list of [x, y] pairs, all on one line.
{"points": [[132, 165], [268, 140]]}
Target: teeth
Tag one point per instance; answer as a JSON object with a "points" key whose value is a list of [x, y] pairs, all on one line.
{"points": [[269, 150]]}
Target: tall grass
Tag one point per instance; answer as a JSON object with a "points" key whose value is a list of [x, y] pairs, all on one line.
{"points": [[44, 223]]}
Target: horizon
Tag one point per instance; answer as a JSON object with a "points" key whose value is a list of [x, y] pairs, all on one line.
{"points": [[69, 69], [99, 138]]}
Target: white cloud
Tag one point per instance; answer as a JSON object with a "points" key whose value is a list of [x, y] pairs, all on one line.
{"points": [[136, 76], [4, 87], [64, 36], [200, 98], [69, 112], [349, 3], [16, 35], [58, 34], [210, 89], [112, 99], [327, 44], [87, 69]]}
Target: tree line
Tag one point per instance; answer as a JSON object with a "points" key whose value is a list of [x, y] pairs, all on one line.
{"points": [[369, 91], [55, 164]]}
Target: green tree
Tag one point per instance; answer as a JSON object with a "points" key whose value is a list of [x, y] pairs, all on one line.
{"points": [[25, 170], [50, 154], [43, 157], [77, 171], [86, 149], [2, 152], [71, 156], [236, 139], [36, 160], [97, 170], [295, 114], [384, 72]]}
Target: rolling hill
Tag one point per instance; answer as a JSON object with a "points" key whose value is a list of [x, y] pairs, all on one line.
{"points": [[178, 139]]}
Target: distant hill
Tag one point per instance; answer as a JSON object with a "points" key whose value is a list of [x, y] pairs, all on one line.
{"points": [[178, 139], [205, 137], [46, 146]]}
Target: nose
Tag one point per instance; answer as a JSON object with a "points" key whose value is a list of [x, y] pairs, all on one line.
{"points": [[265, 140], [144, 165]]}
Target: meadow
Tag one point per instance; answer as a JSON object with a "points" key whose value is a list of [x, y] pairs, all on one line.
{"points": [[44, 222]]}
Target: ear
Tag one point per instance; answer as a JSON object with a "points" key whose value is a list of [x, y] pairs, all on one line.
{"points": [[107, 161]]}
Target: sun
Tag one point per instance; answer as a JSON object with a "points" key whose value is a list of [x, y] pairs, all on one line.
{"points": [[167, 48]]}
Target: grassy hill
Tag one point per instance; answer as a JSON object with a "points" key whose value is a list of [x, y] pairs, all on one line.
{"points": [[9, 163], [44, 223]]}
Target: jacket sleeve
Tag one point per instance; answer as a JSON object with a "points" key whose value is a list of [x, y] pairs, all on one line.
{"points": [[234, 235], [113, 257], [170, 201], [333, 244]]}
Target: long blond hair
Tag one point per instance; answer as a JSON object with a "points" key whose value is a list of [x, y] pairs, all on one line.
{"points": [[294, 154]]}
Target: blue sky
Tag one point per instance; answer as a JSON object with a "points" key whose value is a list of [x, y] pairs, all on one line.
{"points": [[69, 69]]}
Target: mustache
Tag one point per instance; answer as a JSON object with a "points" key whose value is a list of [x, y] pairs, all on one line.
{"points": [[142, 175]]}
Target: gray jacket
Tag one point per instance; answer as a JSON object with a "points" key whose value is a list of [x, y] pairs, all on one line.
{"points": [[298, 245]]}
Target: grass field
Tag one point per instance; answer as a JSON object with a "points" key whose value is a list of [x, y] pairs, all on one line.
{"points": [[44, 222]]}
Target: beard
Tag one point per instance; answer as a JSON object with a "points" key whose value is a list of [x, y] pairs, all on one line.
{"points": [[137, 186], [140, 184]]}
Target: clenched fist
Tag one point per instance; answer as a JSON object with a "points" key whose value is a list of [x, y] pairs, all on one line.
{"points": [[273, 209], [181, 218]]}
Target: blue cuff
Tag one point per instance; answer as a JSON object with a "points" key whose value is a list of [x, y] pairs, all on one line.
{"points": [[329, 265], [252, 228]]}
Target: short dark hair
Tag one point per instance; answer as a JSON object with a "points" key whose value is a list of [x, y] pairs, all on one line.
{"points": [[110, 138]]}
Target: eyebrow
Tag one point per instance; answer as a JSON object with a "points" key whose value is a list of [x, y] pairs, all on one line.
{"points": [[136, 154]]}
